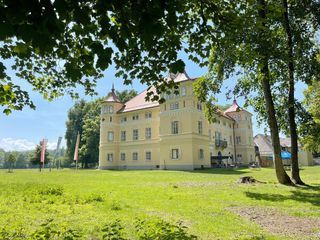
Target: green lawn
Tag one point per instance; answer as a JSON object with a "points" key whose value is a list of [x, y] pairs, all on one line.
{"points": [[86, 200]]}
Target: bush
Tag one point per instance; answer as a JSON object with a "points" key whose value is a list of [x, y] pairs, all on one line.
{"points": [[49, 230], [53, 190], [113, 231], [157, 229]]}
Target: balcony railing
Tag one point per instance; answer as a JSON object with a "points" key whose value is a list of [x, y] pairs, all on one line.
{"points": [[221, 143]]}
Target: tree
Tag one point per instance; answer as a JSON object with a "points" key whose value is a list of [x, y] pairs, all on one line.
{"points": [[310, 128], [57, 45], [126, 95], [11, 159], [84, 117], [35, 157]]}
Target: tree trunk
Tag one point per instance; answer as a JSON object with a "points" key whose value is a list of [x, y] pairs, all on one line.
{"points": [[282, 176], [291, 108]]}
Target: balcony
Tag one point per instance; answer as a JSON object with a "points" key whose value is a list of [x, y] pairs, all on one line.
{"points": [[221, 143]]}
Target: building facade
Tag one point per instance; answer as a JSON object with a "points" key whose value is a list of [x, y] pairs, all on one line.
{"points": [[264, 150], [173, 135]]}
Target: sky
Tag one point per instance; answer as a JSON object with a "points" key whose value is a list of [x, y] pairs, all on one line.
{"points": [[22, 130]]}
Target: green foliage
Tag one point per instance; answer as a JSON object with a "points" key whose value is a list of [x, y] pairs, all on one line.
{"points": [[310, 126], [126, 95], [71, 44], [52, 190], [159, 229], [51, 230], [84, 117], [151, 198], [113, 231]]}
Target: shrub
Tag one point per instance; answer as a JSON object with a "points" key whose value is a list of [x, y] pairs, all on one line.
{"points": [[52, 190], [157, 229], [113, 231]]}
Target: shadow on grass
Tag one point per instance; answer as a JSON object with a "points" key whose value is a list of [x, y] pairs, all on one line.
{"points": [[299, 196], [223, 171]]}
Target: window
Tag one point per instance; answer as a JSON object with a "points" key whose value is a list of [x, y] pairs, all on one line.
{"points": [[249, 127], [110, 157], [199, 105], [123, 119], [135, 134], [123, 136], [134, 156], [218, 121], [107, 109], [184, 103], [174, 127], [217, 135], [183, 91], [123, 156], [174, 105], [135, 117], [200, 127], [230, 140], [148, 155], [249, 141], [175, 153], [148, 133], [238, 139], [201, 154], [210, 134], [110, 119], [224, 123], [148, 115], [110, 136], [229, 125]]}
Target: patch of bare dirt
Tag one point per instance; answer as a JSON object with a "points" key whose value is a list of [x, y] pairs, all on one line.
{"points": [[280, 223]]}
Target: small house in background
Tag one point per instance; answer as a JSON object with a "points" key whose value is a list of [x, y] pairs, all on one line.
{"points": [[264, 151]]}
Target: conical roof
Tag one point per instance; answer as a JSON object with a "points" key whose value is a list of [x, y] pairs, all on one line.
{"points": [[234, 107], [112, 96]]}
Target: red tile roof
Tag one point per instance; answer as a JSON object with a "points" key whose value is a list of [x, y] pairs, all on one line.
{"points": [[233, 108], [139, 102]]}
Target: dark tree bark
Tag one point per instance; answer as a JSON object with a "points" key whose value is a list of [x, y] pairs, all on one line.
{"points": [[282, 176], [291, 109]]}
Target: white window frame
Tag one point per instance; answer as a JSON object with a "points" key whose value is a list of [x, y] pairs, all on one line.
{"points": [[123, 136], [123, 119], [174, 105], [148, 158], [148, 115], [110, 136], [109, 157], [122, 156], [135, 134], [175, 127], [148, 133], [183, 91], [175, 153], [200, 127], [135, 156], [135, 117]]}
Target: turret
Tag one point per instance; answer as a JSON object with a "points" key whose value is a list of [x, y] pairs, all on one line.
{"points": [[109, 128]]}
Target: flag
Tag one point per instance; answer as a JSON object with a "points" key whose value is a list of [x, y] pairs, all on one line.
{"points": [[76, 150], [58, 146], [43, 150]]}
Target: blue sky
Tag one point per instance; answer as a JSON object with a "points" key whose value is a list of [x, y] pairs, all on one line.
{"points": [[23, 129]]}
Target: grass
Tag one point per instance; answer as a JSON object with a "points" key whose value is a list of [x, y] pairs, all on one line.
{"points": [[87, 200]]}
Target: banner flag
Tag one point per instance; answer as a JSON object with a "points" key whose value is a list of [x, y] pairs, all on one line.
{"points": [[58, 146], [43, 150], [76, 150]]}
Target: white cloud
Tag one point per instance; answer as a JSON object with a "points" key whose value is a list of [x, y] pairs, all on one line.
{"points": [[10, 144]]}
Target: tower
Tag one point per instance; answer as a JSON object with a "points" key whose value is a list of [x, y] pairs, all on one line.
{"points": [[243, 133], [109, 131]]}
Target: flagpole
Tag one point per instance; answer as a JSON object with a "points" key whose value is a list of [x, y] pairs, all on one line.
{"points": [[76, 150]]}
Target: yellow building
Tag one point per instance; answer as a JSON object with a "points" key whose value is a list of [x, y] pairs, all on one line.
{"points": [[173, 135]]}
